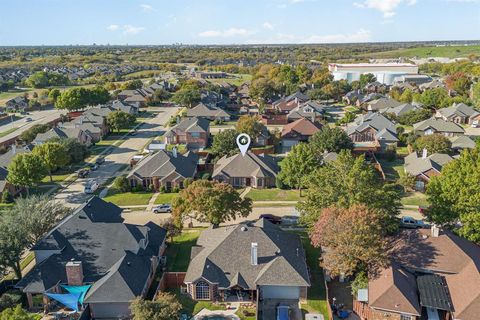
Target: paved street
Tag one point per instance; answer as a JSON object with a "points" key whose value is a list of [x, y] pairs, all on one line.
{"points": [[38, 117], [120, 156]]}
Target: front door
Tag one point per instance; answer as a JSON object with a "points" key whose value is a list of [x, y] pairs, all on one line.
{"points": [[248, 182]]}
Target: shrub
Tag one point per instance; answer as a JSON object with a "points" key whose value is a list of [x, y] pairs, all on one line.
{"points": [[176, 189], [121, 184], [10, 299], [206, 176], [151, 187], [279, 184], [360, 282], [187, 182], [7, 197], [137, 188], [163, 189]]}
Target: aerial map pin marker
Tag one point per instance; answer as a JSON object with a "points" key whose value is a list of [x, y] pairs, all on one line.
{"points": [[243, 142]]}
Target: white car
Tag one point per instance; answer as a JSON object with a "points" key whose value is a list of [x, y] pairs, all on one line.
{"points": [[163, 208], [91, 187], [28, 119]]}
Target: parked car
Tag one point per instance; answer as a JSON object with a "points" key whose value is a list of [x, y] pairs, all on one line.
{"points": [[162, 208], [290, 220], [272, 218], [100, 160], [411, 223], [283, 312], [83, 173], [93, 166], [28, 119], [91, 186]]}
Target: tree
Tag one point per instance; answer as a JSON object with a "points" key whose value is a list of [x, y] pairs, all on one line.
{"points": [[330, 140], [165, 307], [161, 95], [12, 245], [360, 282], [345, 182], [300, 162], [18, 313], [187, 96], [121, 184], [434, 143], [53, 155], [353, 238], [414, 116], [26, 170], [42, 79], [476, 94], [407, 181], [54, 94], [99, 95], [210, 201], [225, 143], [366, 79], [132, 85], [459, 82], [36, 215], [30, 134], [454, 195], [250, 125], [73, 99], [172, 228], [118, 120], [75, 150]]}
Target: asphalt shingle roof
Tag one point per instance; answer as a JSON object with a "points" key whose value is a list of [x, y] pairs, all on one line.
{"points": [[246, 166]]}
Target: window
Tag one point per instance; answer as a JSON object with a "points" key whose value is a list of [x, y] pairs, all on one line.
{"points": [[195, 134], [405, 317], [202, 291]]}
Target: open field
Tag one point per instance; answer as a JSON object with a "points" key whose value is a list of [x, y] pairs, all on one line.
{"points": [[424, 52], [236, 79]]}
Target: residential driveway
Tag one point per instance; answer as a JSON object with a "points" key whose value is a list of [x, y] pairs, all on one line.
{"points": [[120, 156], [469, 131]]}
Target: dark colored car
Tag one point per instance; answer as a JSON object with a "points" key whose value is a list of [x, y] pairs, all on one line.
{"points": [[83, 173], [272, 218], [93, 166], [100, 160]]}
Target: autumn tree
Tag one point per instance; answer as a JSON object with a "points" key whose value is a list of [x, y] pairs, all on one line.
{"points": [[433, 143], [164, 307], [250, 125], [210, 201], [346, 182], [53, 155], [353, 239], [455, 197], [330, 140], [459, 82], [300, 162]]}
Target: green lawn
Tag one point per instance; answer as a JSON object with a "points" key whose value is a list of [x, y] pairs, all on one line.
{"points": [[23, 264], [165, 198], [128, 198], [7, 132], [415, 199], [317, 298], [423, 52], [393, 169], [178, 251], [273, 195], [60, 177], [192, 307], [235, 79], [249, 311]]}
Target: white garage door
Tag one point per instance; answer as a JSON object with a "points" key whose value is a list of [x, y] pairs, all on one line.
{"points": [[280, 292]]}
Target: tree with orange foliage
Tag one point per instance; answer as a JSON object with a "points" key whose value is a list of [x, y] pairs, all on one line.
{"points": [[352, 239]]}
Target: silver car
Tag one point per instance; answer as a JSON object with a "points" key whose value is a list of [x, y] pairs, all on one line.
{"points": [[162, 208]]}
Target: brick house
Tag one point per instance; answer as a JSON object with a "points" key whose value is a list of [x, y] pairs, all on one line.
{"points": [[192, 132]]}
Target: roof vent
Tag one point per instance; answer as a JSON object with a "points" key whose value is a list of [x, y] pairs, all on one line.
{"points": [[128, 263], [244, 229]]}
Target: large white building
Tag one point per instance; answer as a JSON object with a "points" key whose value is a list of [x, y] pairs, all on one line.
{"points": [[385, 72]]}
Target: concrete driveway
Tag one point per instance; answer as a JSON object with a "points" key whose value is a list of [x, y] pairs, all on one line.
{"points": [[119, 157]]}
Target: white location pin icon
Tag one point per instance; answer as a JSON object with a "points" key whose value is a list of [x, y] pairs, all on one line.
{"points": [[243, 142]]}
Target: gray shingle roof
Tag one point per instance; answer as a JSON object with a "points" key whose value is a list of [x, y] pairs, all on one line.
{"points": [[460, 109], [416, 165], [246, 166], [163, 163], [191, 125], [438, 125], [224, 257], [401, 109], [201, 110]]}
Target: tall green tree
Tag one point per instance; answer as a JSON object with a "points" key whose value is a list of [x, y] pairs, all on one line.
{"points": [[210, 201], [187, 96], [98, 95], [12, 245], [118, 120], [53, 155], [225, 143], [30, 134], [366, 79], [433, 143], [330, 140], [345, 182], [300, 162], [26, 170], [455, 196], [73, 99], [75, 150]]}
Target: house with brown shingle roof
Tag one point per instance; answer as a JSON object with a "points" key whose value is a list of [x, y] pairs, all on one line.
{"points": [[298, 131], [434, 274]]}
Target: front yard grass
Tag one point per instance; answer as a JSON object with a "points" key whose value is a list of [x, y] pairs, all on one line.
{"points": [[128, 198], [393, 169], [165, 198], [274, 195], [415, 199], [178, 251], [192, 307], [316, 294]]}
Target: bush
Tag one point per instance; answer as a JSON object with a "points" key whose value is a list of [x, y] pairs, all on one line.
{"points": [[206, 176], [176, 190], [163, 189], [10, 299], [7, 197], [391, 153], [122, 184], [279, 184], [187, 182], [151, 187], [137, 188], [360, 282]]}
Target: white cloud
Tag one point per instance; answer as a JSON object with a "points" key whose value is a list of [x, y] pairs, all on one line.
{"points": [[147, 7], [268, 25], [387, 7], [129, 29], [228, 33], [113, 27], [360, 36]]}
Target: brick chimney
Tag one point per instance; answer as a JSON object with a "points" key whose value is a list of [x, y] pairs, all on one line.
{"points": [[74, 272]]}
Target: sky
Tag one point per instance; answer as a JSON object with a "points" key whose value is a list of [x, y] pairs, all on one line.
{"points": [[158, 22]]}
